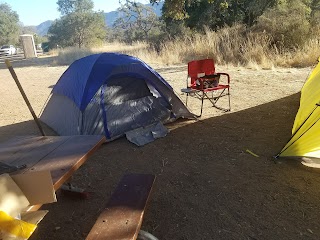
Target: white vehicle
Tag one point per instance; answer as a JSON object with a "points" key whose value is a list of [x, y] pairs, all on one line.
{"points": [[8, 50]]}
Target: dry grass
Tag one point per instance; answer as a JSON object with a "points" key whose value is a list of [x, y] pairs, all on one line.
{"points": [[68, 55], [307, 55], [122, 47], [230, 45]]}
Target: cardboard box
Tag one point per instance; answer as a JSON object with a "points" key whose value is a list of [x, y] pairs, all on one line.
{"points": [[18, 193]]}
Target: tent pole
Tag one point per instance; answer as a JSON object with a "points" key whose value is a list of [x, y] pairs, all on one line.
{"points": [[15, 78]]}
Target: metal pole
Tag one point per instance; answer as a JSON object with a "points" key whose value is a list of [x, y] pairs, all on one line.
{"points": [[15, 78]]}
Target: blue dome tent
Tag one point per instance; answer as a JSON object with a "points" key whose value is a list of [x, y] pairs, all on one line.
{"points": [[110, 94]]}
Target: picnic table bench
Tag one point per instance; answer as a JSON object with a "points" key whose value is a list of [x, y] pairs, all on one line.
{"points": [[123, 214]]}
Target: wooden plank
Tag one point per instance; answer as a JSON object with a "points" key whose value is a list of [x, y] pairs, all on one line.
{"points": [[122, 217], [68, 157]]}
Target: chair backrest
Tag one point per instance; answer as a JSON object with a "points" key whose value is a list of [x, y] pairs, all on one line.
{"points": [[199, 68]]}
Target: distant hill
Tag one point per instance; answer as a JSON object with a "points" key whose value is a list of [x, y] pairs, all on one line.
{"points": [[110, 17], [42, 28]]}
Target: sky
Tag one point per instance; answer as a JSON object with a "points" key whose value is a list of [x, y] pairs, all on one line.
{"points": [[34, 12]]}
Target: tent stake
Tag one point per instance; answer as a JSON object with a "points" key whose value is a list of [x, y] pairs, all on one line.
{"points": [[15, 78]]}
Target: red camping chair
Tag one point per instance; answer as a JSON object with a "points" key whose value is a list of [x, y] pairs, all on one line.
{"points": [[203, 82]]}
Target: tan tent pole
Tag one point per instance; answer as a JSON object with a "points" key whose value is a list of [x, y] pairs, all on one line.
{"points": [[15, 78]]}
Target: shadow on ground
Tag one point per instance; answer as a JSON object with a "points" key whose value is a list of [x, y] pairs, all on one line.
{"points": [[207, 185]]}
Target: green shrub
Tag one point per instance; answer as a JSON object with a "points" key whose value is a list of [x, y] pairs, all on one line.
{"points": [[287, 25]]}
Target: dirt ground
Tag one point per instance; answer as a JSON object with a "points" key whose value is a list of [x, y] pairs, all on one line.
{"points": [[207, 186]]}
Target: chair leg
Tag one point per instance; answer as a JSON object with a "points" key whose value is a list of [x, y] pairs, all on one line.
{"points": [[187, 99], [202, 98], [216, 99], [229, 100], [213, 100]]}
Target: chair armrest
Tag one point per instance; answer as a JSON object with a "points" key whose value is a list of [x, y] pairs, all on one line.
{"points": [[225, 74]]}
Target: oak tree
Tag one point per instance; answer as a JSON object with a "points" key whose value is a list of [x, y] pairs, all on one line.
{"points": [[9, 25], [78, 26]]}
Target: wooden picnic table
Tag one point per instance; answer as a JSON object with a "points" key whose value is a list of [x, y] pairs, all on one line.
{"points": [[61, 155]]}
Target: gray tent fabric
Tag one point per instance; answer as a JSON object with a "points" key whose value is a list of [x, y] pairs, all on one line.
{"points": [[119, 93], [144, 135]]}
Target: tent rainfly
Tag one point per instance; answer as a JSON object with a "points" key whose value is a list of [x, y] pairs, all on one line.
{"points": [[305, 139], [111, 94]]}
